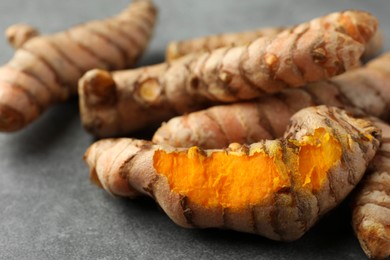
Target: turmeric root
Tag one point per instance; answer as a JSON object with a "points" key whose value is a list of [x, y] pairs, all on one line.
{"points": [[46, 69], [371, 204], [121, 102], [366, 89], [275, 188], [246, 123], [177, 49]]}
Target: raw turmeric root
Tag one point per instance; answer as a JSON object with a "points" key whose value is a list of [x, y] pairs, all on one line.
{"points": [[178, 49], [366, 89], [46, 69], [275, 188], [125, 101], [247, 123], [371, 205]]}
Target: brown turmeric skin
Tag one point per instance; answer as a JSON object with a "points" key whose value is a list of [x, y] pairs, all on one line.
{"points": [[309, 52], [45, 69], [366, 89], [371, 203], [275, 188], [178, 49]]}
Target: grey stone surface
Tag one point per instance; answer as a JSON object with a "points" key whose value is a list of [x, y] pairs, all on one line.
{"points": [[50, 210]]}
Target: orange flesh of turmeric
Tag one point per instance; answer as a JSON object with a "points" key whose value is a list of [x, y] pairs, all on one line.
{"points": [[236, 181], [316, 157]]}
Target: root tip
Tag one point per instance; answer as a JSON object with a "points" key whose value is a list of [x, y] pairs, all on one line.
{"points": [[10, 119], [19, 34]]}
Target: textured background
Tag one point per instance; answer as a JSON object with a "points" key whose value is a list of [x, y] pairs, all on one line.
{"points": [[50, 210]]}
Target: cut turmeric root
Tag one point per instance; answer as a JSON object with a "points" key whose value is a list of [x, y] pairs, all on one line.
{"points": [[277, 188], [371, 208], [178, 49], [309, 52], [366, 89], [46, 69]]}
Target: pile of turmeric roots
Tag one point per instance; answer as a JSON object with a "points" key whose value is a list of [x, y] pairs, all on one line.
{"points": [[268, 130]]}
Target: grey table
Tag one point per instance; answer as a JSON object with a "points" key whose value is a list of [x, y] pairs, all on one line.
{"points": [[50, 210]]}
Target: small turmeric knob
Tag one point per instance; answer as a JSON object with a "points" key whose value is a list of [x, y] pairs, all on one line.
{"points": [[19, 34]]}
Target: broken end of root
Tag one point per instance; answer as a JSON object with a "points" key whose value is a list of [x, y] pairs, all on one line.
{"points": [[97, 87]]}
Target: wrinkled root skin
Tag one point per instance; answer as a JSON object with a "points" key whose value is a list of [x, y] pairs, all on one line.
{"points": [[125, 167], [371, 203], [366, 89], [178, 49], [310, 52]]}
